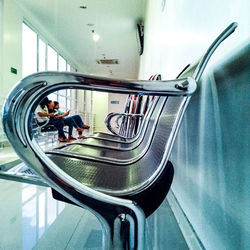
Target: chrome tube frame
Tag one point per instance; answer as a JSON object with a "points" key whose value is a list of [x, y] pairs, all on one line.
{"points": [[111, 211], [142, 130], [120, 116], [22, 102]]}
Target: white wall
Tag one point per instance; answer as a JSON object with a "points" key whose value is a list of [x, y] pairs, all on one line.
{"points": [[210, 156], [1, 44], [12, 45], [100, 109], [183, 31], [116, 107]]}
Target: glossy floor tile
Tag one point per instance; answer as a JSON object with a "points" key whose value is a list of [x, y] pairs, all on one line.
{"points": [[32, 219], [7, 155]]}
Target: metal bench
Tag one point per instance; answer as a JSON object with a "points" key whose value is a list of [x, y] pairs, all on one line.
{"points": [[128, 123], [132, 120], [120, 195]]}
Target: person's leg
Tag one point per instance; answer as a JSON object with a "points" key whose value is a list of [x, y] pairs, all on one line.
{"points": [[68, 122], [73, 121], [79, 122], [80, 135], [59, 125]]}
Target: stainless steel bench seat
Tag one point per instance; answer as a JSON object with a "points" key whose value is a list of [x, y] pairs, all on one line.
{"points": [[117, 138], [136, 169], [126, 153], [124, 144], [120, 195]]}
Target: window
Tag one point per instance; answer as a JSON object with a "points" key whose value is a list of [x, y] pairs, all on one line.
{"points": [[62, 64], [52, 59], [29, 56], [42, 55], [68, 67], [53, 97], [39, 56]]}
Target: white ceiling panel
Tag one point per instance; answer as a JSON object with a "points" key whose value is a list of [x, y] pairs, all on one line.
{"points": [[114, 21]]}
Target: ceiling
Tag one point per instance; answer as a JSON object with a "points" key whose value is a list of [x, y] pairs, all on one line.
{"points": [[114, 21]]}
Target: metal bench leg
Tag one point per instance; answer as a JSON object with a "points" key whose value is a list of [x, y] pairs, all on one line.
{"points": [[123, 222], [124, 232]]}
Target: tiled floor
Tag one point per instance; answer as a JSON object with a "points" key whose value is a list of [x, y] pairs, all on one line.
{"points": [[7, 155], [32, 219]]}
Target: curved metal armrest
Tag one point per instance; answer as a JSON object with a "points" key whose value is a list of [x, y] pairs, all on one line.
{"points": [[119, 116], [41, 126], [45, 124], [23, 100]]}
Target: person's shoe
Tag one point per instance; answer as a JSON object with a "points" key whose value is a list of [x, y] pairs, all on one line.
{"points": [[85, 126], [63, 140], [79, 129], [81, 137], [71, 137]]}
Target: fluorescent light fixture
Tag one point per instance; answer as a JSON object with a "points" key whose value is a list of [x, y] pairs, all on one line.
{"points": [[96, 37]]}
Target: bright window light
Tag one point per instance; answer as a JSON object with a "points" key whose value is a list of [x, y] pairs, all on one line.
{"points": [[42, 55], [29, 51], [52, 59]]}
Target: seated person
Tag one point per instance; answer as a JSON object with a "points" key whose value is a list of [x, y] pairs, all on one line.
{"points": [[42, 112], [43, 116], [76, 119]]}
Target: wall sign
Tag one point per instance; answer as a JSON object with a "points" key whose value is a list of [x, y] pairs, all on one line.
{"points": [[114, 102], [13, 70]]}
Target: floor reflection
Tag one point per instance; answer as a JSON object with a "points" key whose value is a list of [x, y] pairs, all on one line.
{"points": [[39, 211], [32, 219]]}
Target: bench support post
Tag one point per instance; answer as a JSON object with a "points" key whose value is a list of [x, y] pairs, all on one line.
{"points": [[124, 232]]}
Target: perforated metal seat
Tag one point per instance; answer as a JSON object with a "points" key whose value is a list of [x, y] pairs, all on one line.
{"points": [[119, 194], [128, 171], [123, 152]]}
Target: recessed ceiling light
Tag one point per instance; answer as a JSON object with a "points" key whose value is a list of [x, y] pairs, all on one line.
{"points": [[96, 37]]}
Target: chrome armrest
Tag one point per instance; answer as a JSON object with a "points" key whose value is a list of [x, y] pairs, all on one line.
{"points": [[27, 94], [119, 116], [45, 124]]}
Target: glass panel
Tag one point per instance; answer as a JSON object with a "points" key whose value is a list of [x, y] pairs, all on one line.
{"points": [[29, 63], [41, 55], [53, 97], [52, 59], [62, 103], [62, 64], [68, 105], [68, 67], [62, 92], [68, 92]]}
